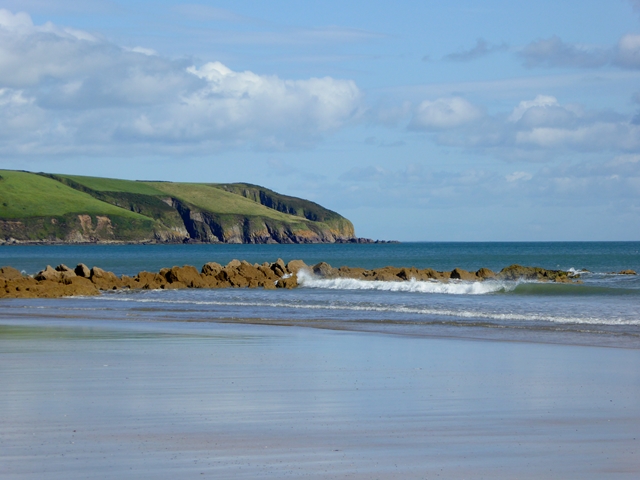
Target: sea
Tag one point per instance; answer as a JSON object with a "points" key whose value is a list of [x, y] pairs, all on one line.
{"points": [[603, 310]]}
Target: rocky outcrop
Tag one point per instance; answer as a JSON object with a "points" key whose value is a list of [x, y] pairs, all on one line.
{"points": [[64, 281], [387, 274]]}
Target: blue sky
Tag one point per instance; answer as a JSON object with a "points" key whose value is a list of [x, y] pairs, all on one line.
{"points": [[457, 120]]}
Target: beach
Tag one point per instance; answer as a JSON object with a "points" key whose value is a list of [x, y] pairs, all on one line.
{"points": [[332, 379], [139, 398]]}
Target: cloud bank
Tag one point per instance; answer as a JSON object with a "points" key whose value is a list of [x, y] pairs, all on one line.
{"points": [[535, 129], [68, 91], [553, 52]]}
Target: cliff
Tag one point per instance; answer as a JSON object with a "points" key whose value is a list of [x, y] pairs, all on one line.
{"points": [[50, 208]]}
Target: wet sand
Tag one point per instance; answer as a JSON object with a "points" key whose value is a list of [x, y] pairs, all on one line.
{"points": [[123, 399]]}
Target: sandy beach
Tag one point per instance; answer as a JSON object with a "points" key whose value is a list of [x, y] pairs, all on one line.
{"points": [[132, 399]]}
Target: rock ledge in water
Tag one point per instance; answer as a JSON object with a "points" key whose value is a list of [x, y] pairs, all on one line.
{"points": [[64, 281]]}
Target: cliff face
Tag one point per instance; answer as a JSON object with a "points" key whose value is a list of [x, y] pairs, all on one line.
{"points": [[72, 209], [212, 227], [340, 227]]}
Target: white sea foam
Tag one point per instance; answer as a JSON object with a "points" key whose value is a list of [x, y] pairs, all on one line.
{"points": [[308, 280]]}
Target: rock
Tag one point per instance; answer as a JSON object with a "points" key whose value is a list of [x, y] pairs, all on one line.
{"points": [[63, 268], [485, 273], [232, 278], [97, 272], [268, 273], [82, 270], [518, 272], [68, 274], [211, 268], [79, 286], [385, 274], [22, 287], [210, 281], [149, 281], [460, 274], [186, 275], [233, 263], [10, 273], [128, 282], [324, 270], [288, 282], [294, 265], [627, 272], [279, 268], [349, 272], [105, 280], [48, 274]]}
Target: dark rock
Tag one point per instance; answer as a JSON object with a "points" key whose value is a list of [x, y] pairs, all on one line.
{"points": [[460, 274], [82, 270]]}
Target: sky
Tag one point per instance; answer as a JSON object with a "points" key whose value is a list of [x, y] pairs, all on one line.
{"points": [[417, 120]]}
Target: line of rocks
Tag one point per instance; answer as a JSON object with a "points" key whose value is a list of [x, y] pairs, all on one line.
{"points": [[513, 272], [63, 281]]}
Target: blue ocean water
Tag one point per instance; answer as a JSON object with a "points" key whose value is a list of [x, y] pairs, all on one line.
{"points": [[604, 309]]}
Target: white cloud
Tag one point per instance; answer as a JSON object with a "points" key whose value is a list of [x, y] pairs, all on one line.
{"points": [[536, 129], [525, 105], [597, 135], [82, 93], [444, 113], [19, 22]]}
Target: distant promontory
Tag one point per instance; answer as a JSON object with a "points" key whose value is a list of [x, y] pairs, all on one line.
{"points": [[51, 208]]}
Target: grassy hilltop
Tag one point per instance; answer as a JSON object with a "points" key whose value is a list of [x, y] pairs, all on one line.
{"points": [[41, 207]]}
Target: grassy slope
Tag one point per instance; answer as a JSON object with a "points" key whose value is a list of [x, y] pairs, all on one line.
{"points": [[219, 201], [224, 199], [28, 195], [131, 195], [115, 185]]}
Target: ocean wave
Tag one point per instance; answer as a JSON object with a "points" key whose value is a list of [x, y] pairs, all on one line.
{"points": [[461, 313], [453, 287]]}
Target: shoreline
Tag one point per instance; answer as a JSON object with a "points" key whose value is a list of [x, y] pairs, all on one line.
{"points": [[355, 240]]}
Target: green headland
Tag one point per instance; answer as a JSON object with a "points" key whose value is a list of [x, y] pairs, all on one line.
{"points": [[52, 208]]}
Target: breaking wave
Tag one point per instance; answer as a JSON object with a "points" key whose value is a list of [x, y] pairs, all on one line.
{"points": [[453, 287]]}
